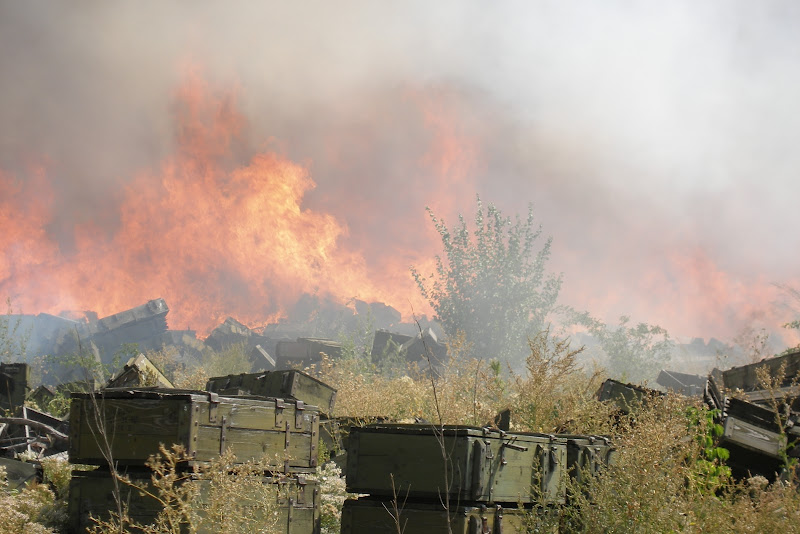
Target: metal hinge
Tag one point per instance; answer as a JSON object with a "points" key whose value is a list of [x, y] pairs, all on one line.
{"points": [[213, 407], [298, 414], [223, 435], [279, 406]]}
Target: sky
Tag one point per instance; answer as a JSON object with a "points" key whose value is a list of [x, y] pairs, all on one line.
{"points": [[654, 140]]}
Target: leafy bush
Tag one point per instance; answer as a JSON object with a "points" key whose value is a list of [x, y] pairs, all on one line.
{"points": [[491, 284]]}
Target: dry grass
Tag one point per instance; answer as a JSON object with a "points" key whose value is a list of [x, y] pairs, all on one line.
{"points": [[34, 510], [654, 484], [223, 496]]}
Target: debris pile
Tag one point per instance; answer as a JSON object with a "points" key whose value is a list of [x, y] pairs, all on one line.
{"points": [[757, 405]]}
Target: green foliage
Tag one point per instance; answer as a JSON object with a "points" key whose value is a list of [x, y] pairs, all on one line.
{"points": [[230, 360], [13, 340], [357, 343], [794, 295], [33, 510], [491, 283], [550, 366], [709, 474], [635, 353], [221, 496], [81, 365]]}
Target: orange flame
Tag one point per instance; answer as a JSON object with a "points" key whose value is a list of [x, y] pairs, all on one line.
{"points": [[211, 235]]}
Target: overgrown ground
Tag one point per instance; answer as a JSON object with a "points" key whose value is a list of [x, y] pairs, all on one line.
{"points": [[666, 477]]}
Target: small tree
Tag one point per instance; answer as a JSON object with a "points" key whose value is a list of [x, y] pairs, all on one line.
{"points": [[492, 283], [635, 353], [13, 338]]}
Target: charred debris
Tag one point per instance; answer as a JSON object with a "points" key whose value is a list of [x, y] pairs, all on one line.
{"points": [[757, 405], [286, 344]]}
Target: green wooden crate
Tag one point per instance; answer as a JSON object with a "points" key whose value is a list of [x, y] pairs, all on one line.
{"points": [[625, 396], [136, 421], [482, 465], [15, 381], [586, 455], [291, 384], [91, 493], [753, 427], [375, 516], [745, 377]]}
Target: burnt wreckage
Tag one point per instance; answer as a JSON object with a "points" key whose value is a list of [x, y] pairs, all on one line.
{"points": [[757, 405], [498, 479]]}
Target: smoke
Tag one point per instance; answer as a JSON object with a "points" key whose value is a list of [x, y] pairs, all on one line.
{"points": [[653, 138]]}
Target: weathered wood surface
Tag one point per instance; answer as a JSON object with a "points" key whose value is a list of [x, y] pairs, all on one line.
{"points": [[296, 501], [139, 372], [587, 455], [135, 422], [375, 516], [745, 377], [625, 396], [291, 384], [468, 463], [14, 385]]}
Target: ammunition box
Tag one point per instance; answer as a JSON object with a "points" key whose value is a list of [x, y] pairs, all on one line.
{"points": [[139, 372], [282, 384], [753, 437], [586, 455], [625, 396], [91, 494], [377, 516], [306, 350], [14, 380], [752, 427], [19, 474], [135, 421], [466, 463], [745, 377]]}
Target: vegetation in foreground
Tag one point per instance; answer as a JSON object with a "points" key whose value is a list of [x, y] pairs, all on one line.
{"points": [[668, 475], [664, 478]]}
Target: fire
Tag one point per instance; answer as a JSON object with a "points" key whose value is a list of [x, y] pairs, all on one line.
{"points": [[213, 233]]}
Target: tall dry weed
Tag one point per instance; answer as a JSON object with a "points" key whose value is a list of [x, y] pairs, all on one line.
{"points": [[221, 496]]}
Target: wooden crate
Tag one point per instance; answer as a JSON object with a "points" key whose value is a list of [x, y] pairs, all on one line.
{"points": [[377, 516], [291, 384], [296, 501], [137, 421], [586, 455], [468, 463], [14, 385]]}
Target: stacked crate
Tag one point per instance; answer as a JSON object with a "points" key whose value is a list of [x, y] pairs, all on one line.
{"points": [[487, 474], [290, 384], [587, 455], [128, 425], [293, 384], [476, 480]]}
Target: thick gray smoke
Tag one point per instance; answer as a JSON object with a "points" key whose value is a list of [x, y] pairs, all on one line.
{"points": [[655, 139]]}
